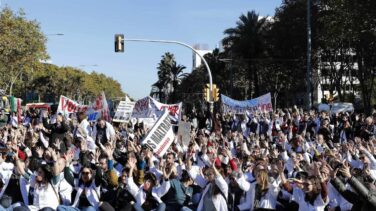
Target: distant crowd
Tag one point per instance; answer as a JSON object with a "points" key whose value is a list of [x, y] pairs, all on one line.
{"points": [[288, 159]]}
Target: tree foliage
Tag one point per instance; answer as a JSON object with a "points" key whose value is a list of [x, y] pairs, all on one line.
{"points": [[23, 47], [270, 54], [22, 44], [170, 75]]}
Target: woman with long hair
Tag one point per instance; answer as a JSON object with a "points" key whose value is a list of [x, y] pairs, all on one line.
{"points": [[262, 194], [45, 193]]}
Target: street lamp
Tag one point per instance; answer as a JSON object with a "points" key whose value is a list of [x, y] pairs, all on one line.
{"points": [[309, 55], [119, 47]]}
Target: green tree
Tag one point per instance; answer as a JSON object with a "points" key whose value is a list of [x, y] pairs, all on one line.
{"points": [[246, 41], [176, 76], [170, 75], [22, 44]]}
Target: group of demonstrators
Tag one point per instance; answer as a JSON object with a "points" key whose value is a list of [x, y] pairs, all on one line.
{"points": [[282, 160]]}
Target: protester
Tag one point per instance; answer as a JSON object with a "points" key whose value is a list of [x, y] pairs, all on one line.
{"points": [[282, 160]]}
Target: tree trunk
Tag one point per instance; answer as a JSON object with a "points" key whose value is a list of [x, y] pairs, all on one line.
{"points": [[256, 80], [366, 97], [275, 95]]}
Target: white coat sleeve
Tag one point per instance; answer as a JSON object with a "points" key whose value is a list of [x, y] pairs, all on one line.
{"points": [[222, 185], [162, 189], [132, 187]]}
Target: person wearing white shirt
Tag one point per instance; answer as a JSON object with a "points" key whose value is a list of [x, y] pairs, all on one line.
{"points": [[309, 198], [215, 193], [45, 194], [260, 195], [147, 196]]}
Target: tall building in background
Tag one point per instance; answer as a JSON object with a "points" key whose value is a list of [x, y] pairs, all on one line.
{"points": [[202, 49]]}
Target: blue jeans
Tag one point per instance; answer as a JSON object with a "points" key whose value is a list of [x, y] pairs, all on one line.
{"points": [[70, 208], [161, 207]]}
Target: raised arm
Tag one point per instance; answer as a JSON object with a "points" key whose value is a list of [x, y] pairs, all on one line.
{"points": [[286, 184]]}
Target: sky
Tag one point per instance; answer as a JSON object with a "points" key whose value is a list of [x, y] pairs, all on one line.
{"points": [[89, 27]]}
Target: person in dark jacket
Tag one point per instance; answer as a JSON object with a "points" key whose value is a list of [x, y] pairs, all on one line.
{"points": [[120, 198], [58, 130], [363, 198]]}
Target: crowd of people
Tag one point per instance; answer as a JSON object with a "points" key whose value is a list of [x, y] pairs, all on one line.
{"points": [[282, 160]]}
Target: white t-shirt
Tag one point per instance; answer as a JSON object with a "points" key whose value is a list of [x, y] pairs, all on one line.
{"points": [[44, 197], [299, 197]]}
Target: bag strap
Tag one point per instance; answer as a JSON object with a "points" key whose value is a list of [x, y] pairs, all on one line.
{"points": [[57, 195]]}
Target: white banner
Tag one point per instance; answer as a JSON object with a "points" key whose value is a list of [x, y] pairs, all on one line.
{"points": [[161, 136], [124, 111], [174, 110], [67, 106], [99, 109], [260, 104], [148, 108], [142, 109]]}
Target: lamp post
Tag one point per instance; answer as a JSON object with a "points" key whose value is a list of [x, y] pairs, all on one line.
{"points": [[120, 38], [309, 55]]}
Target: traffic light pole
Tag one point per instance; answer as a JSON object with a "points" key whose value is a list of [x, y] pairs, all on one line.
{"points": [[194, 50]]}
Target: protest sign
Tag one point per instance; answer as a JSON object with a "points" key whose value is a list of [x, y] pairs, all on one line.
{"points": [[148, 108], [260, 104], [142, 109], [67, 106], [124, 111], [174, 110], [99, 109], [161, 136]]}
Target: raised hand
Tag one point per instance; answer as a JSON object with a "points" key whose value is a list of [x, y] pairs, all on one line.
{"points": [[132, 162], [280, 166], [109, 152], [53, 154], [345, 170], [39, 152], [57, 144]]}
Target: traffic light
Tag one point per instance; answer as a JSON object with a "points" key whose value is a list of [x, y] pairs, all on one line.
{"points": [[215, 93], [214, 96], [119, 43], [207, 93]]}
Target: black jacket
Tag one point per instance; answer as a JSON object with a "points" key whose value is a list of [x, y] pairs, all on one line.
{"points": [[57, 132], [362, 199]]}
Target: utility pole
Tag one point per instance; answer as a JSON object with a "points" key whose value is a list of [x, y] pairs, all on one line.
{"points": [[309, 55]]}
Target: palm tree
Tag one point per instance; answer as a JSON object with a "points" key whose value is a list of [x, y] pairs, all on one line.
{"points": [[170, 76], [246, 42], [175, 78], [164, 67], [157, 89]]}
